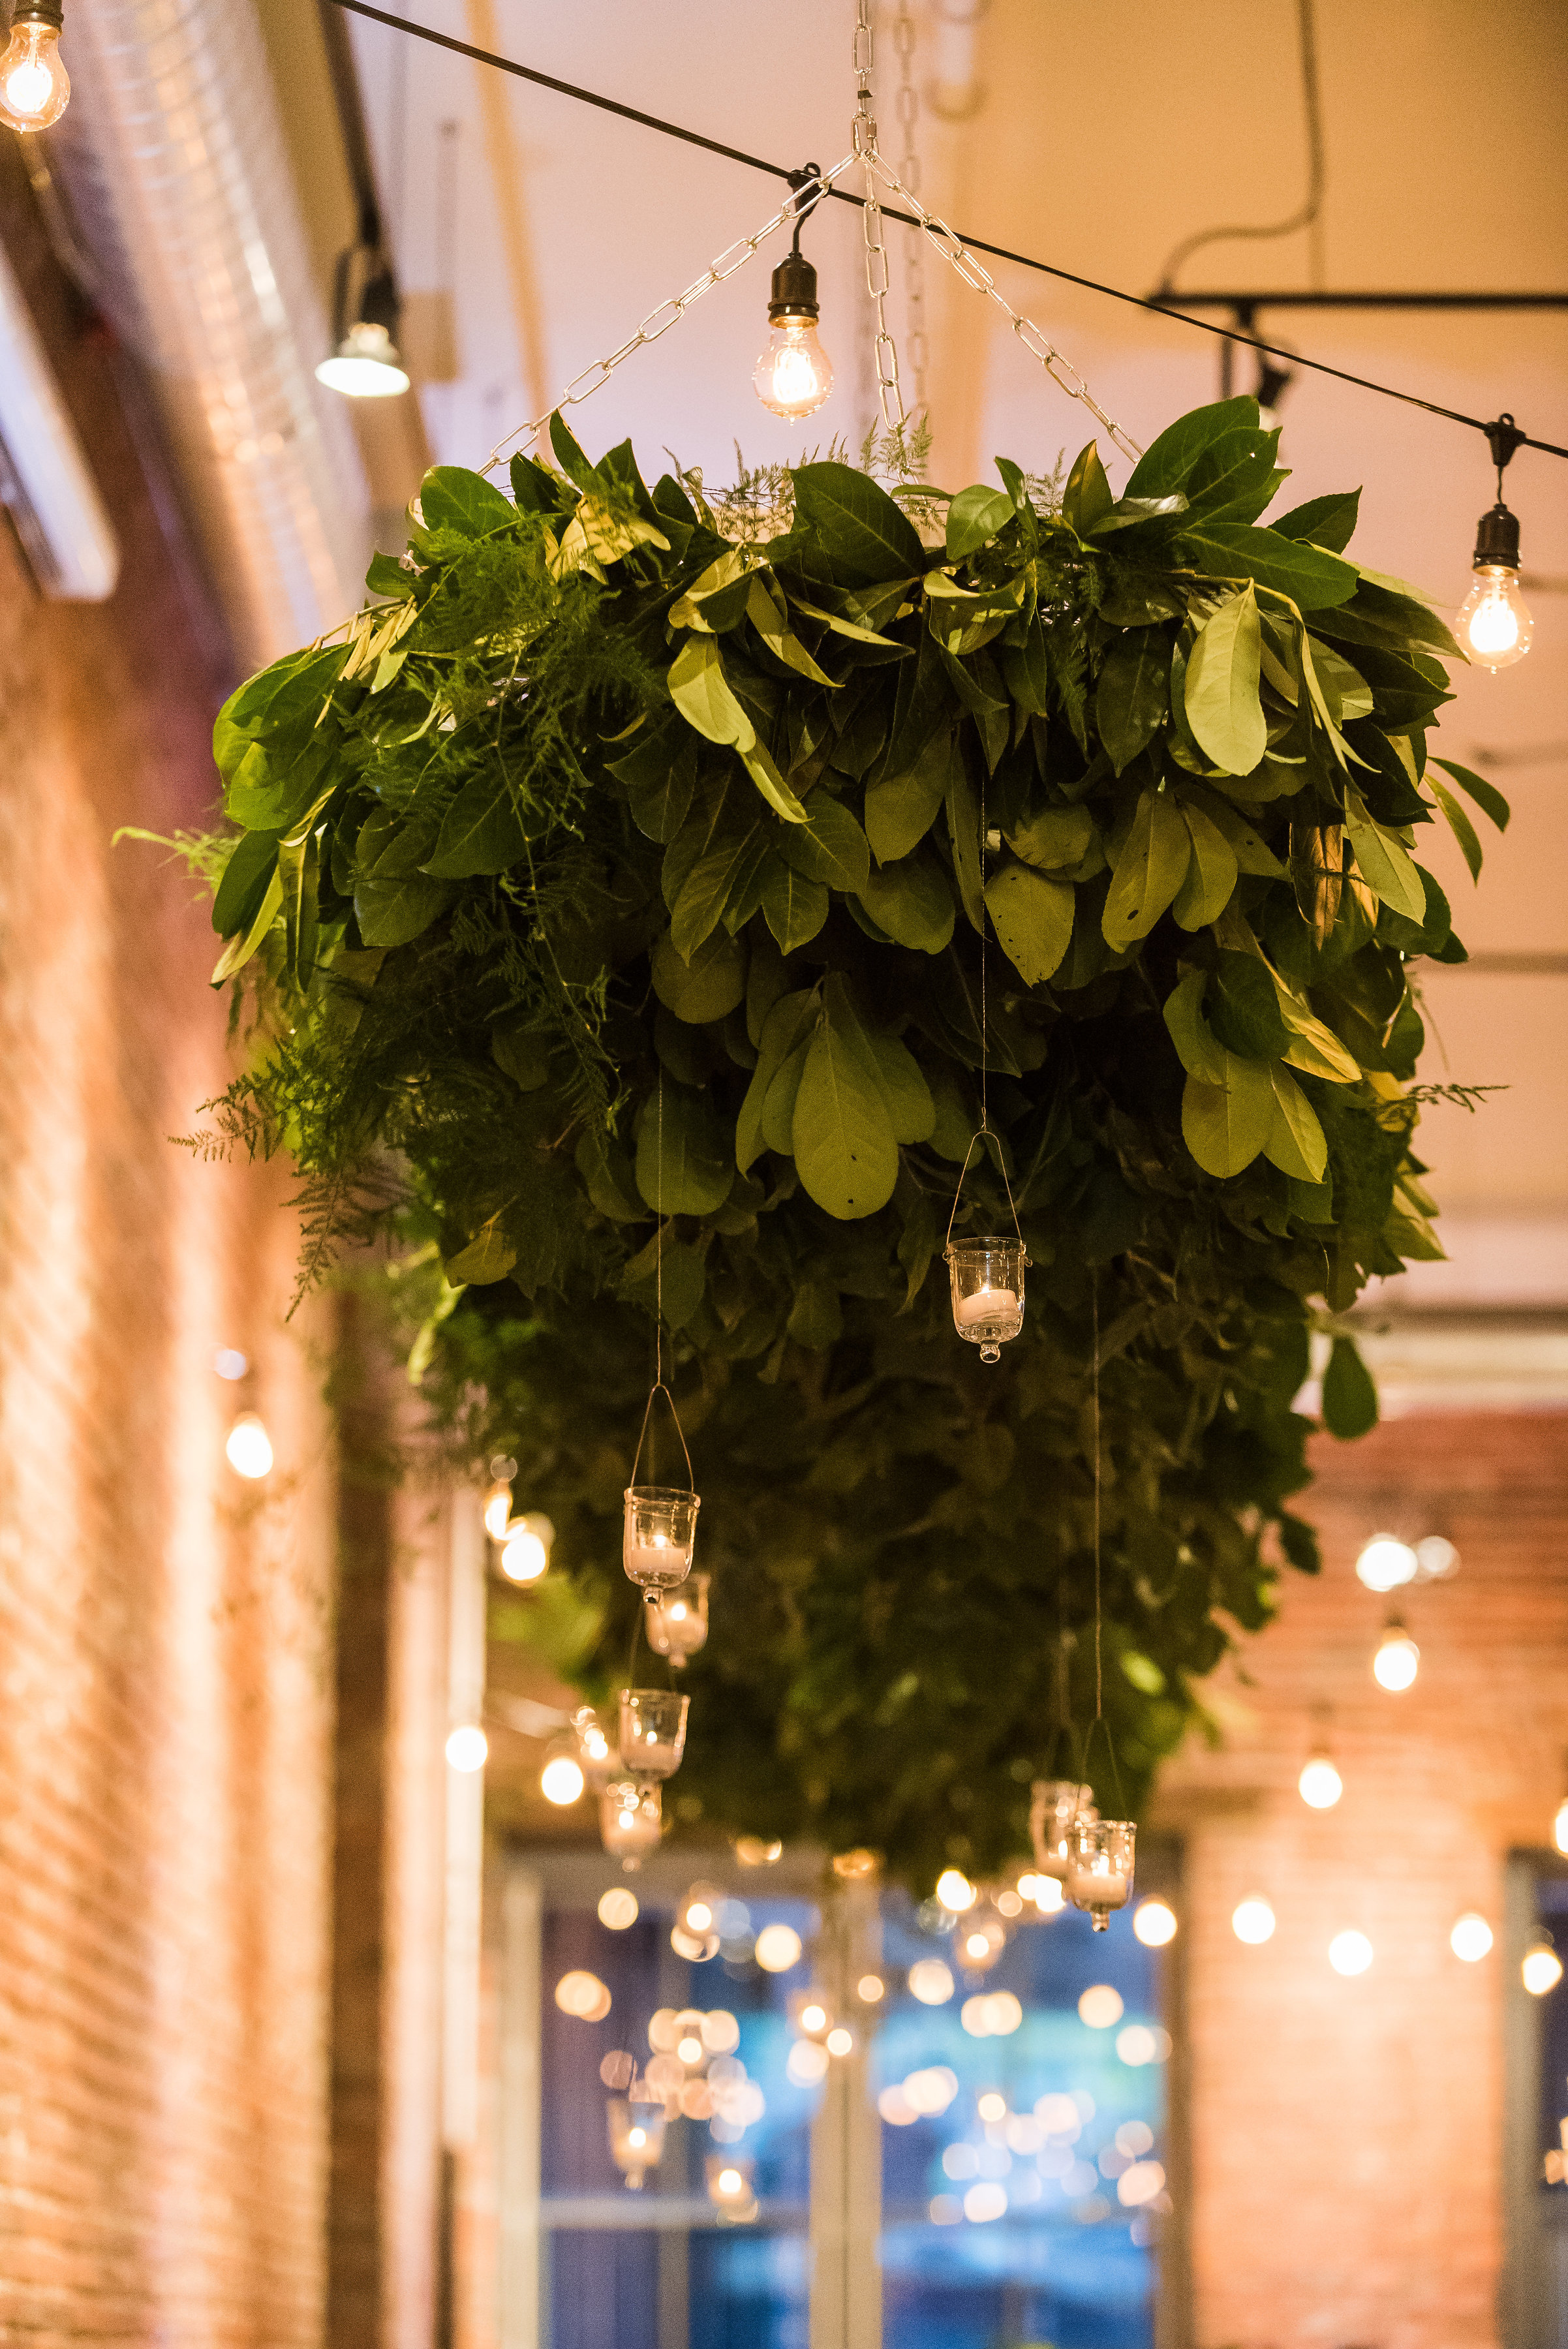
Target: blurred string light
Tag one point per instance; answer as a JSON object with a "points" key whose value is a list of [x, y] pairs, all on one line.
{"points": [[584, 1996], [955, 1892], [1386, 1562], [757, 1851], [249, 1447], [930, 1982], [619, 1907], [778, 1949], [467, 1748], [1541, 1970], [1350, 1953], [1471, 1937], [525, 1553], [1320, 1784], [1397, 1659], [561, 1781], [1252, 1921], [229, 1363], [1154, 1923], [1100, 2007]]}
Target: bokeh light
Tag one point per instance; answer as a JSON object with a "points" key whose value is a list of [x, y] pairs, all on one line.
{"points": [[1154, 1923], [1100, 2007], [1252, 1921], [1385, 1562], [467, 1748], [1471, 1937], [1320, 1784], [778, 1949], [1350, 1953], [618, 1909], [955, 1892], [930, 1982]]}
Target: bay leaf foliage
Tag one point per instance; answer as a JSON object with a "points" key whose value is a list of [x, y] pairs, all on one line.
{"points": [[667, 906]]}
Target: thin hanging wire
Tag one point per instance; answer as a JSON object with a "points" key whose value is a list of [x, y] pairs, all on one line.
{"points": [[863, 57], [1309, 213], [909, 112]]}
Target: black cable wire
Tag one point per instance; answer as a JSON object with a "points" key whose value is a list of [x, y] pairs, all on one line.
{"points": [[976, 244], [1307, 212]]}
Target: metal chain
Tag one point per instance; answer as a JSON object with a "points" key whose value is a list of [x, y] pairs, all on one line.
{"points": [[909, 109], [862, 57], [670, 312], [957, 254]]}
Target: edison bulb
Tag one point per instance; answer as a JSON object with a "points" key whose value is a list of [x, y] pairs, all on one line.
{"points": [[1252, 1921], [365, 365], [1541, 1970], [1471, 1938], [955, 1892], [467, 1748], [498, 1511], [1154, 1923], [1494, 622], [1320, 1784], [1397, 1659], [794, 374], [560, 1780], [34, 88], [249, 1446]]}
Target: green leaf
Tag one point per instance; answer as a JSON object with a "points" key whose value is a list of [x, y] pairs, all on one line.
{"points": [[1026, 668], [1487, 797], [683, 1162], [974, 517], [393, 908], [1251, 852], [481, 831], [777, 1123], [912, 901], [1086, 498], [829, 846], [1225, 1126], [1385, 868], [779, 636], [782, 1029], [716, 882], [289, 695], [1222, 697], [1244, 1008], [1196, 1047], [857, 525], [1034, 918], [243, 943], [1212, 875], [910, 1108], [666, 1273], [842, 1133], [1133, 693], [1349, 1396], [250, 868], [1054, 839], [1323, 521], [1152, 866], [705, 698], [489, 1255], [706, 988], [1296, 1143], [963, 831], [1224, 550], [608, 1176], [793, 906], [901, 809], [452, 498], [1168, 463], [816, 1318], [1459, 824]]}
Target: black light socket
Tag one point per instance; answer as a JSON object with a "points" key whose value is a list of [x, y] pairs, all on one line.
{"points": [[793, 291], [1497, 538], [38, 12]]}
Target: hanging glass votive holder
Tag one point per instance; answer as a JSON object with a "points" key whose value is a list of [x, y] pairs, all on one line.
{"points": [[636, 2138], [1057, 1807], [631, 1821], [677, 1622], [652, 1732], [660, 1530], [1102, 1871], [987, 1281]]}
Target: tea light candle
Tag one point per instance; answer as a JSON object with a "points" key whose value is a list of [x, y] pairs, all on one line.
{"points": [[986, 1305], [658, 1564], [1097, 1890]]}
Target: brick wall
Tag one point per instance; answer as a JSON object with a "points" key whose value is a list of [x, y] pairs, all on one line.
{"points": [[165, 1681], [1346, 2134]]}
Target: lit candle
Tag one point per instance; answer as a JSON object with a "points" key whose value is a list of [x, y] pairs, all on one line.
{"points": [[986, 1304], [658, 1563], [1097, 1889]]}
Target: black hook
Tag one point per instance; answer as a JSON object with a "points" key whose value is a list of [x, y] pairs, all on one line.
{"points": [[797, 180], [1504, 438]]}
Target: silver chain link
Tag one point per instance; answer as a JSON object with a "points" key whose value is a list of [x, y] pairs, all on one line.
{"points": [[908, 111], [863, 57], [669, 312], [973, 272]]}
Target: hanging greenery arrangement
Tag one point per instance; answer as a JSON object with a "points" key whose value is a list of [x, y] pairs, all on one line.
{"points": [[737, 858]]}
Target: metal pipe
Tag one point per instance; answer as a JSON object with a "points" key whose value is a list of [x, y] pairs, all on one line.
{"points": [[177, 169]]}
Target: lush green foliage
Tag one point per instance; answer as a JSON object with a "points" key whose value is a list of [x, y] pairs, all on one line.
{"points": [[624, 861]]}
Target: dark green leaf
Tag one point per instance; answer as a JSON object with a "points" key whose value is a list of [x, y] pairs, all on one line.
{"points": [[1033, 916], [392, 909], [1168, 462], [1225, 550], [1487, 797], [387, 577], [901, 808], [858, 526], [1349, 1396], [793, 906], [247, 874], [1133, 693], [452, 498], [482, 831], [683, 1162], [1243, 1007], [1323, 521], [829, 846], [912, 903], [974, 517], [1087, 500], [708, 987], [842, 1133]]}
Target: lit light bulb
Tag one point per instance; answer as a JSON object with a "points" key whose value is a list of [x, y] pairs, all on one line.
{"points": [[498, 1511], [1471, 1938], [365, 365], [526, 1549], [560, 1780], [1320, 1784], [1252, 1921], [1154, 1923], [34, 88], [1350, 1953], [840, 2041], [794, 374], [1494, 623], [955, 1892], [1385, 1562], [1397, 1659], [249, 1447], [1559, 1826], [1541, 1970], [467, 1748]]}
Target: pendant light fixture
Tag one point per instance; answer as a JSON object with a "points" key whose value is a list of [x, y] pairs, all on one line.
{"points": [[1494, 623], [365, 364], [794, 374], [34, 88]]}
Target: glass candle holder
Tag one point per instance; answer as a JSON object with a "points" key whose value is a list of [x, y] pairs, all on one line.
{"points": [[1057, 1808], [1102, 1871], [678, 1619], [652, 1732], [661, 1528], [730, 2186], [631, 1821], [636, 2138], [596, 1749], [987, 1279]]}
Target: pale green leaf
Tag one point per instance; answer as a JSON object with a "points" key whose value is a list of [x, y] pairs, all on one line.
{"points": [[1032, 913], [1225, 1126], [1221, 690], [1150, 870], [912, 901], [1385, 867], [683, 1162], [842, 1135], [1296, 1144], [1212, 875]]}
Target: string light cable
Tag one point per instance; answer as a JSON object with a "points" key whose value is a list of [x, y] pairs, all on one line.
{"points": [[916, 217]]}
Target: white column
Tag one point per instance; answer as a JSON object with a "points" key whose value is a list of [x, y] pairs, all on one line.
{"points": [[846, 2148], [522, 1912], [464, 1828]]}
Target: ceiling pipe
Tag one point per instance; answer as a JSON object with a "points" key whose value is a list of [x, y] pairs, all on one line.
{"points": [[178, 175]]}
